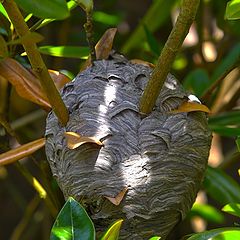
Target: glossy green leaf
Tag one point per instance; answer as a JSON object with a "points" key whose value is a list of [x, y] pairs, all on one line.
{"points": [[105, 18], [226, 118], [72, 223], [232, 208], [207, 212], [156, 16], [45, 8], [112, 232], [217, 234], [233, 10], [3, 11], [197, 81], [221, 186], [228, 131], [152, 41], [65, 51]]}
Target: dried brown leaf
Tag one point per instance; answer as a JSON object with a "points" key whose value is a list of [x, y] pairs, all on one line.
{"points": [[75, 140], [104, 45], [117, 200], [191, 107], [139, 61], [59, 79], [25, 82], [20, 152]]}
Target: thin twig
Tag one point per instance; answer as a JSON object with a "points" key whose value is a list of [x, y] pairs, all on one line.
{"points": [[179, 32], [36, 62]]}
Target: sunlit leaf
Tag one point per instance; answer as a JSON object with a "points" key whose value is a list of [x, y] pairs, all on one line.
{"points": [[105, 18], [232, 208], [75, 140], [32, 37], [117, 200], [72, 222], [3, 48], [21, 152], [221, 187], [155, 238], [207, 212], [191, 107], [4, 13], [233, 10], [65, 51], [113, 231], [104, 45], [25, 82], [45, 9], [217, 234]]}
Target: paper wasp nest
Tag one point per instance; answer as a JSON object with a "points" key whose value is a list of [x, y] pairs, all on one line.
{"points": [[159, 158]]}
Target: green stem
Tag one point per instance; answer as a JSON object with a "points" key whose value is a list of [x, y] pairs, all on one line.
{"points": [[179, 32], [37, 63]]}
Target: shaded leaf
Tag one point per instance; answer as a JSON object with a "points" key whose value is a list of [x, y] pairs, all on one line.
{"points": [[233, 10], [65, 51], [232, 208], [25, 82], [228, 131], [225, 118], [238, 143], [32, 37], [86, 5], [221, 187], [72, 222], [20, 152], [207, 212], [117, 200], [75, 140], [45, 9], [3, 48], [191, 107], [104, 45], [220, 233], [106, 18], [112, 232]]}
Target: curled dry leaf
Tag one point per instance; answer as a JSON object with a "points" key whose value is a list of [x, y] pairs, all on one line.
{"points": [[117, 200], [144, 63], [20, 152], [191, 107], [27, 84], [75, 140]]}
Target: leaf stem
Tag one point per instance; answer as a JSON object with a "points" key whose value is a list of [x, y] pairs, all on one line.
{"points": [[36, 62], [179, 32]]}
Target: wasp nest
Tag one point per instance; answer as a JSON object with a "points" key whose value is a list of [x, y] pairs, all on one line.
{"points": [[154, 163]]}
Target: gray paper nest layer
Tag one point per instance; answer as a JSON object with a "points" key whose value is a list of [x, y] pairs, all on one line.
{"points": [[160, 158]]}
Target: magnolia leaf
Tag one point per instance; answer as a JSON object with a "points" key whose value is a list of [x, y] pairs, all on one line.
{"points": [[75, 140], [26, 83], [144, 63], [3, 48], [20, 152], [32, 37], [59, 79], [117, 200], [104, 45], [112, 232], [191, 107]]}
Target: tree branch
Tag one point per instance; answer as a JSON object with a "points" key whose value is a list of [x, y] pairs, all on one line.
{"points": [[179, 32], [36, 62]]}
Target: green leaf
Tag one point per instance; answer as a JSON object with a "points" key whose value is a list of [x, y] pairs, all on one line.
{"points": [[233, 10], [4, 13], [155, 238], [207, 212], [221, 187], [197, 81], [65, 51], [33, 37], [112, 232], [238, 143], [152, 41], [105, 18], [217, 234], [232, 208], [72, 223], [226, 118], [86, 5], [227, 131], [45, 8]]}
